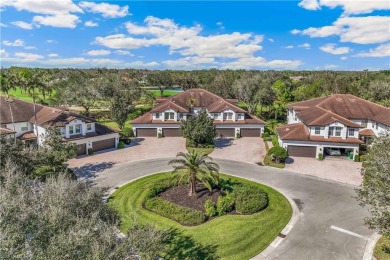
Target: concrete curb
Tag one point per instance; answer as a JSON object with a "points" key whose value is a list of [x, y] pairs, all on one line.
{"points": [[369, 251]]}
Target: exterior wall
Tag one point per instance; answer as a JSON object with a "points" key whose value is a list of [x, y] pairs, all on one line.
{"points": [[322, 131], [337, 124], [40, 134], [291, 117], [90, 140], [377, 128], [18, 127]]}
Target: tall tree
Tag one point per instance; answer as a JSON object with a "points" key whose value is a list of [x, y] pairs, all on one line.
{"points": [[195, 167], [198, 129], [375, 190], [160, 79]]}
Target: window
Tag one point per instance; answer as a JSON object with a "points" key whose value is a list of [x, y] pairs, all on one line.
{"points": [[89, 127], [338, 131], [330, 131], [317, 130], [227, 116], [351, 132], [376, 125], [24, 126], [239, 116], [74, 129], [157, 115], [169, 116], [364, 123], [215, 116]]}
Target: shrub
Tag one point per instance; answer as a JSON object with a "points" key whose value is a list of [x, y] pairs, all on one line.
{"points": [[238, 135], [128, 132], [275, 142], [267, 139], [121, 145], [170, 210], [362, 157], [159, 135], [250, 199], [90, 151], [356, 158], [225, 204], [210, 208], [277, 153], [265, 134], [158, 187], [320, 156]]}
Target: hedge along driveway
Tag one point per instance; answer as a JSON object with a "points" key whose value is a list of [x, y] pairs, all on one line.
{"points": [[226, 237]]}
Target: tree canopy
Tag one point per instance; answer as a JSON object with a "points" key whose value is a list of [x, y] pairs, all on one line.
{"points": [[198, 129]]}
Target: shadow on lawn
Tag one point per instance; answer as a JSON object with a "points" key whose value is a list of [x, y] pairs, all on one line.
{"points": [[180, 246]]}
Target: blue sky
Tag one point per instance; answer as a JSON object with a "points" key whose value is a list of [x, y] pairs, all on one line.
{"points": [[308, 34]]}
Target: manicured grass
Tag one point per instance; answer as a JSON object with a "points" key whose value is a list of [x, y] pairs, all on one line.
{"points": [[167, 93], [227, 237], [24, 95], [382, 248], [200, 150]]}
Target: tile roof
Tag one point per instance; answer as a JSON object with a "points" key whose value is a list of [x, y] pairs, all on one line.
{"points": [[366, 132], [344, 105], [319, 117], [22, 111], [49, 116], [4, 131], [299, 132], [27, 136]]}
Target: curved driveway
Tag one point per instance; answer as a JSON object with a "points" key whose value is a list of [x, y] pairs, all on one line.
{"points": [[322, 204]]}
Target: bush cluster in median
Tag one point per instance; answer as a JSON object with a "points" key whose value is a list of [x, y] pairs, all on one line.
{"points": [[170, 210], [250, 199]]}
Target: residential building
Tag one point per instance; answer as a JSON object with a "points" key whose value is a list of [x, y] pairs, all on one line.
{"points": [[229, 119], [19, 120], [339, 121]]}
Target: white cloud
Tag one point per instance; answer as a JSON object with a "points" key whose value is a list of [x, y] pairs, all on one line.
{"points": [[23, 25], [50, 41], [52, 13], [332, 49], [53, 55], [304, 45], [98, 52], [309, 4], [344, 58], [186, 41], [91, 24], [30, 47], [331, 66], [362, 30], [189, 62], [260, 63], [141, 64], [122, 52], [28, 56], [107, 10], [270, 39], [289, 47], [382, 50], [3, 25], [220, 25], [3, 53], [16, 43]]}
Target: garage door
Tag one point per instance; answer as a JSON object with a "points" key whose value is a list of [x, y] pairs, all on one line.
{"points": [[103, 144], [146, 132], [81, 149], [302, 151], [250, 132], [225, 132], [171, 132]]}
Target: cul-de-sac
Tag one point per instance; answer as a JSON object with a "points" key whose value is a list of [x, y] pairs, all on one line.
{"points": [[195, 130]]}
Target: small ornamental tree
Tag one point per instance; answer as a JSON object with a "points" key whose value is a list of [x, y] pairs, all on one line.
{"points": [[278, 154], [375, 190], [198, 129]]}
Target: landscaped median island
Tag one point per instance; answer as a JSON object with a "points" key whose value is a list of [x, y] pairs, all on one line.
{"points": [[226, 229]]}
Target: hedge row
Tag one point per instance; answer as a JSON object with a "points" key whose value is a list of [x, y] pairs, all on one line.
{"points": [[173, 211]]}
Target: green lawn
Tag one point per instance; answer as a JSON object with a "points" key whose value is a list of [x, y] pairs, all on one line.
{"points": [[167, 93], [382, 249], [200, 150], [227, 237], [23, 95]]}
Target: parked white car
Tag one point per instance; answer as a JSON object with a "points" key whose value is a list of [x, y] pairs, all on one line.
{"points": [[332, 151]]}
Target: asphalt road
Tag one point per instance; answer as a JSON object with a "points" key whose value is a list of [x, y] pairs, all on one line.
{"points": [[330, 222]]}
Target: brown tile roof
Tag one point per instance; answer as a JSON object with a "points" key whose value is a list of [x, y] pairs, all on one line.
{"points": [[318, 117], [5, 131], [299, 132], [169, 105], [49, 116], [99, 130], [22, 111], [347, 106], [222, 105], [27, 136], [366, 132]]}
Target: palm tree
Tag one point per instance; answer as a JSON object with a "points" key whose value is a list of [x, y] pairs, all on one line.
{"points": [[196, 167]]}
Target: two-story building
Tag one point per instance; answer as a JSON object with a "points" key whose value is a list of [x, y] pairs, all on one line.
{"points": [[229, 119], [19, 120], [335, 124]]}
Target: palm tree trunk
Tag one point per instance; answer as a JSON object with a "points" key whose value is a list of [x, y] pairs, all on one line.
{"points": [[192, 185], [35, 121]]}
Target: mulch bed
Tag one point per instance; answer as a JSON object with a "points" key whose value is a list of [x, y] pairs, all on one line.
{"points": [[179, 195]]}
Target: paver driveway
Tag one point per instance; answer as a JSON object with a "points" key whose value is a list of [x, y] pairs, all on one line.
{"points": [[139, 149], [336, 169], [246, 149]]}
